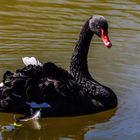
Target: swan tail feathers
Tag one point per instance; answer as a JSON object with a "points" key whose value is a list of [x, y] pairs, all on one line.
{"points": [[31, 61]]}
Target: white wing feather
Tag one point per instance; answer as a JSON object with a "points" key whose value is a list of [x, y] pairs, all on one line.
{"points": [[31, 61], [1, 84]]}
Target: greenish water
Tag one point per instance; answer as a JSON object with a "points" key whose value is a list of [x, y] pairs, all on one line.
{"points": [[48, 29]]}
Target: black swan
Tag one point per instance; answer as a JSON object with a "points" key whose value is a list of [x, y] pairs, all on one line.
{"points": [[54, 90], [79, 66]]}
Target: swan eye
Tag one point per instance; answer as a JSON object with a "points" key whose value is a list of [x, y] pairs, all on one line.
{"points": [[97, 26]]}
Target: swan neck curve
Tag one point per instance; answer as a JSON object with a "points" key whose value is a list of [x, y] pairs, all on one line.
{"points": [[79, 64]]}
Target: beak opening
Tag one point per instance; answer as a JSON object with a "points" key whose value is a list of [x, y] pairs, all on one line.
{"points": [[105, 38]]}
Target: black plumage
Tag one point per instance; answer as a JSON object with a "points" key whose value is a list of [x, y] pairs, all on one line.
{"points": [[68, 93]]}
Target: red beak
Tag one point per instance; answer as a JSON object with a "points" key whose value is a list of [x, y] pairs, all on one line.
{"points": [[105, 38]]}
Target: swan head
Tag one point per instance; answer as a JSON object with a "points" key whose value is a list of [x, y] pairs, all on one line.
{"points": [[99, 25]]}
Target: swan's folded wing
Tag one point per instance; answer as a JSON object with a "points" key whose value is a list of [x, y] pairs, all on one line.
{"points": [[67, 88]]}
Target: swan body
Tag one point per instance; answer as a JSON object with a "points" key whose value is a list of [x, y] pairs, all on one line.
{"points": [[56, 91]]}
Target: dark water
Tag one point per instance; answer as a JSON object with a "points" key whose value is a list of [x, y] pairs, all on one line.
{"points": [[48, 29]]}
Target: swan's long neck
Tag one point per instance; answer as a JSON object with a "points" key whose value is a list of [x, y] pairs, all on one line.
{"points": [[79, 64]]}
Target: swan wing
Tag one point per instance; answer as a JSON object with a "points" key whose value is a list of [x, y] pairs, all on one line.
{"points": [[31, 61]]}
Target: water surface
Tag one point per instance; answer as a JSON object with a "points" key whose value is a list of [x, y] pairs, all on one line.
{"points": [[48, 30]]}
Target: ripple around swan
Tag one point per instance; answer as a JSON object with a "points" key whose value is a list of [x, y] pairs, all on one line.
{"points": [[48, 30]]}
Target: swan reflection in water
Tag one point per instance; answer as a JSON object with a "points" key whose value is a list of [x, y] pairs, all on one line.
{"points": [[53, 128]]}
